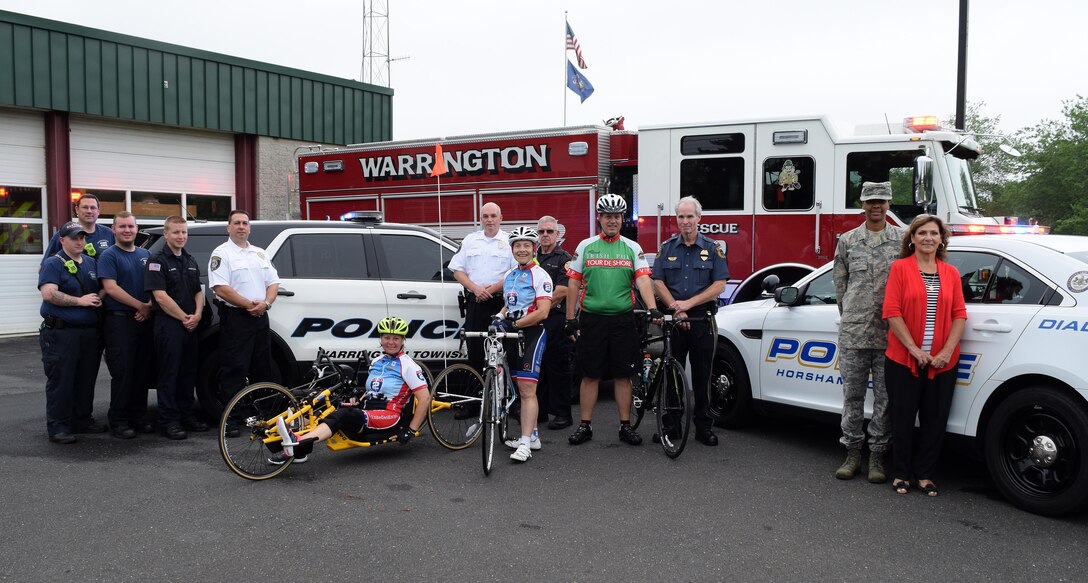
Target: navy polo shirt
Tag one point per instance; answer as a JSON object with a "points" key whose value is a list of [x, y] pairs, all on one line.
{"points": [[689, 269], [54, 271], [127, 269], [101, 239]]}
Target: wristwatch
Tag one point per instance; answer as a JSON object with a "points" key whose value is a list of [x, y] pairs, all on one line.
{"points": [[267, 306]]}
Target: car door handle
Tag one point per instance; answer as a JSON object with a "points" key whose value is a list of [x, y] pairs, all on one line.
{"points": [[992, 327], [285, 293], [411, 296]]}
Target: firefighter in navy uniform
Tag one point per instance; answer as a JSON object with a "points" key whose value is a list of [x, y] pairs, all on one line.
{"points": [[69, 338], [173, 278], [689, 274]]}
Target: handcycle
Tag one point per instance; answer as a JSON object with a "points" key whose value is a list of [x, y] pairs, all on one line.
{"points": [[255, 409], [661, 386], [499, 391]]}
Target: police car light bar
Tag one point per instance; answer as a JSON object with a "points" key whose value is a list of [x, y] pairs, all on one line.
{"points": [[920, 123], [999, 230], [362, 216]]}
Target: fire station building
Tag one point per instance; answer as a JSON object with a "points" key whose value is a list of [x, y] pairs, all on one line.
{"points": [[153, 128]]}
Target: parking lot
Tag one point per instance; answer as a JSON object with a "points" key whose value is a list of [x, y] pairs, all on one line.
{"points": [[763, 506]]}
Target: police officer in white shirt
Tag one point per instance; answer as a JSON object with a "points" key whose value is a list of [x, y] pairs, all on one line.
{"points": [[245, 283], [480, 265]]}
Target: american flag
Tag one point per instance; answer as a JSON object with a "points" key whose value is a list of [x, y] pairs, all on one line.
{"points": [[572, 43]]}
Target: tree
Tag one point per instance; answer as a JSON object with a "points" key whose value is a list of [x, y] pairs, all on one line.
{"points": [[991, 169], [1053, 170]]}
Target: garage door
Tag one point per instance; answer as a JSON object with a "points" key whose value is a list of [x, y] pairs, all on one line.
{"points": [[22, 186]]}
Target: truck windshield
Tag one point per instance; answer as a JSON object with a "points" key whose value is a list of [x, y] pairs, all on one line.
{"points": [[963, 188]]}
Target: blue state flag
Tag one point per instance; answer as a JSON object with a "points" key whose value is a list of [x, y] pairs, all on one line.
{"points": [[578, 83]]}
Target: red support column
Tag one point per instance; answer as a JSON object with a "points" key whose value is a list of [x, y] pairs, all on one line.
{"points": [[58, 171], [245, 174]]}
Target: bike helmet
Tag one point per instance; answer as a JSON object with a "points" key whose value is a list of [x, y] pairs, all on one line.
{"points": [[611, 203], [523, 234], [393, 325]]}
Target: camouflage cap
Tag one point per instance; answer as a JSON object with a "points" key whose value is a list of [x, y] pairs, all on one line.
{"points": [[876, 191]]}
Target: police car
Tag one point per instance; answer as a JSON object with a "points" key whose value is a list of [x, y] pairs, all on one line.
{"points": [[1022, 387], [338, 279]]}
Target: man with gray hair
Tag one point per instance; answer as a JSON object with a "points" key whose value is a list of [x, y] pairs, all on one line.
{"points": [[863, 257], [689, 274], [556, 383]]}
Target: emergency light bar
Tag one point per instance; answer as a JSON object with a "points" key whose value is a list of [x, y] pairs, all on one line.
{"points": [[999, 230], [362, 216], [920, 123]]}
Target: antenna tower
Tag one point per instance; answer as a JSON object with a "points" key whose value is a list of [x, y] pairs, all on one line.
{"points": [[376, 58]]}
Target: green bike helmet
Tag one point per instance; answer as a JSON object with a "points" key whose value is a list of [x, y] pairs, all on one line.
{"points": [[393, 325]]}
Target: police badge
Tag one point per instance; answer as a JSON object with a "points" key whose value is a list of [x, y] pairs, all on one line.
{"points": [[214, 265]]}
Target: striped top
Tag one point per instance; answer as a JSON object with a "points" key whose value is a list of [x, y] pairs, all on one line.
{"points": [[933, 288]]}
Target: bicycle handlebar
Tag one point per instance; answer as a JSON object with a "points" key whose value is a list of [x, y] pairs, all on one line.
{"points": [[492, 334], [704, 317]]}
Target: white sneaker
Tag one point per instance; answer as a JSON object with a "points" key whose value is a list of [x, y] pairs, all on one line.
{"points": [[286, 436], [522, 453], [515, 443]]}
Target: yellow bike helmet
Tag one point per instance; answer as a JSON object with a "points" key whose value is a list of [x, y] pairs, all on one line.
{"points": [[393, 325]]}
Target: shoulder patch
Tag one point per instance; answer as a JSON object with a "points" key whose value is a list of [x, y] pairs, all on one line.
{"points": [[215, 262], [154, 267], [721, 252], [547, 287], [566, 266]]}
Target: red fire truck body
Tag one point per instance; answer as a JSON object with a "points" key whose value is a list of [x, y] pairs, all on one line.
{"points": [[773, 191]]}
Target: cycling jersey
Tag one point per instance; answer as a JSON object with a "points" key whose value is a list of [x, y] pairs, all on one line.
{"points": [[395, 378], [523, 286], [607, 267]]}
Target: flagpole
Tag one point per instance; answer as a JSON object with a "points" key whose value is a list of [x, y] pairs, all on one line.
{"points": [[565, 25]]}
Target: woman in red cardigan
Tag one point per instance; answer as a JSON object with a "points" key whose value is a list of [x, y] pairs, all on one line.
{"points": [[924, 307]]}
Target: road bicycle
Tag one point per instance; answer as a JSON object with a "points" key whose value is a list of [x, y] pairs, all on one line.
{"points": [[255, 409], [454, 415], [661, 385], [499, 391]]}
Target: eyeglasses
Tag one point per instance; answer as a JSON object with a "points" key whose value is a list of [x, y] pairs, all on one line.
{"points": [[546, 231]]}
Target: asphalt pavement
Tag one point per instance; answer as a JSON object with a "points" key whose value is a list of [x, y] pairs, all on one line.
{"points": [[762, 506]]}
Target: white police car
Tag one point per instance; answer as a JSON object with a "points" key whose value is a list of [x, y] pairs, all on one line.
{"points": [[338, 279], [1022, 386]]}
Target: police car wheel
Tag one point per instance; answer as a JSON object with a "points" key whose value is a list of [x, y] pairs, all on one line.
{"points": [[730, 388], [1036, 446]]}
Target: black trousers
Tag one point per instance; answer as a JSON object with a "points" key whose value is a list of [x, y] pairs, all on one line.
{"points": [[477, 319], [176, 370], [71, 357], [129, 357], [245, 351], [930, 400], [698, 344], [556, 377]]}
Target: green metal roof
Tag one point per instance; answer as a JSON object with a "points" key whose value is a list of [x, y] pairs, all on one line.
{"points": [[45, 64]]}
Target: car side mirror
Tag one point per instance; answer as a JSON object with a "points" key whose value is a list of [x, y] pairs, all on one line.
{"points": [[787, 295], [770, 283]]}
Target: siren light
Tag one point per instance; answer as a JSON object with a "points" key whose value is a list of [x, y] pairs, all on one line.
{"points": [[920, 123]]}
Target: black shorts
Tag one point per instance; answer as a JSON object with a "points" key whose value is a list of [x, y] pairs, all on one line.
{"points": [[608, 346]]}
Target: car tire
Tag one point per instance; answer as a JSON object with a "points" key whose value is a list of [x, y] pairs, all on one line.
{"points": [[1036, 449], [730, 389]]}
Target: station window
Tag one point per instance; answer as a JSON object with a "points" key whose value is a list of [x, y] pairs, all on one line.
{"points": [[896, 167], [21, 226], [712, 144], [110, 202], [208, 208], [157, 205], [789, 183], [718, 183]]}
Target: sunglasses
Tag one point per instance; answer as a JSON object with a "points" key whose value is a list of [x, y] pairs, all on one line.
{"points": [[546, 231]]}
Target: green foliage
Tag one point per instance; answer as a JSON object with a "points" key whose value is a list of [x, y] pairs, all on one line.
{"points": [[1049, 182]]}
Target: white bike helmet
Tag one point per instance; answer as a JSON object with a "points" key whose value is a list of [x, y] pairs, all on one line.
{"points": [[611, 203], [523, 234]]}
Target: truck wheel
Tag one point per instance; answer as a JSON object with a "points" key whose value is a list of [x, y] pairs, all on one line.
{"points": [[1037, 451], [730, 389]]}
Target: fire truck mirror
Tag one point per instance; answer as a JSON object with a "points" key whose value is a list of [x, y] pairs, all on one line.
{"points": [[923, 181]]}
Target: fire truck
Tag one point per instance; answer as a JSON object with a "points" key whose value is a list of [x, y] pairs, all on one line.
{"points": [[776, 193]]}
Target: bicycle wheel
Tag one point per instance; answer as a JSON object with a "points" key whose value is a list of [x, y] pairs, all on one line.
{"points": [[253, 411], [489, 419], [455, 400], [674, 402]]}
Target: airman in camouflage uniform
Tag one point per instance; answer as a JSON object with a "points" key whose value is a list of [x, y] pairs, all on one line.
{"points": [[863, 257]]}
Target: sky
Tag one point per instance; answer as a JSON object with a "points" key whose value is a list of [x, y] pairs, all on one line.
{"points": [[476, 66]]}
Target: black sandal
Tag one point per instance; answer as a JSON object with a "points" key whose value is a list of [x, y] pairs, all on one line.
{"points": [[930, 489], [901, 486]]}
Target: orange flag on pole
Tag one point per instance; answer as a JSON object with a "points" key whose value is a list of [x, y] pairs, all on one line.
{"points": [[439, 161]]}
